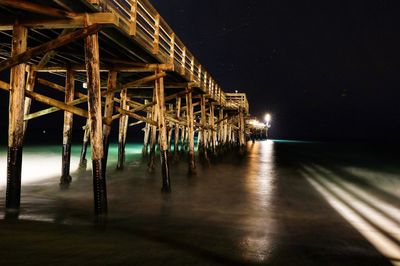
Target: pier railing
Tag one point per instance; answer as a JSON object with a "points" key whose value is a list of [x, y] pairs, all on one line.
{"points": [[141, 20], [237, 101]]}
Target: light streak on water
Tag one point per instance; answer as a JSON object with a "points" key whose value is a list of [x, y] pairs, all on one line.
{"points": [[376, 220], [259, 181]]}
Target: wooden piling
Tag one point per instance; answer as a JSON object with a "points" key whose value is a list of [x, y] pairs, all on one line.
{"points": [[162, 127], [176, 137], [203, 102], [95, 121], [16, 120], [146, 132], [242, 137], [153, 135], [170, 129], [67, 133], [190, 126], [108, 113], [212, 126], [85, 142], [123, 126], [30, 84], [220, 126]]}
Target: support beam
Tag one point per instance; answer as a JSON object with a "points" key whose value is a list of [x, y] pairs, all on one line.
{"points": [[162, 127], [123, 126], [37, 8], [242, 129], [95, 120], [30, 84], [67, 133], [145, 80], [48, 46], [135, 116], [16, 120], [190, 122], [146, 132], [176, 138], [104, 19], [85, 142], [212, 126], [60, 105], [220, 124], [108, 114], [52, 109], [203, 102], [153, 135]]}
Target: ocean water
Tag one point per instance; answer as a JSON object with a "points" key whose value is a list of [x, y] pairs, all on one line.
{"points": [[279, 203]]}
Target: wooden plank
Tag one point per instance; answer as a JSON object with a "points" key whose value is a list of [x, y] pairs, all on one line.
{"points": [[48, 46], [37, 8], [143, 81], [61, 105], [53, 109], [136, 116], [104, 19]]}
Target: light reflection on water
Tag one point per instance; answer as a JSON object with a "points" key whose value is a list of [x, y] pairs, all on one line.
{"points": [[230, 200], [259, 182]]}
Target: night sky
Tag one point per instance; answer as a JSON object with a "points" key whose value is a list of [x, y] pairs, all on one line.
{"points": [[326, 70]]}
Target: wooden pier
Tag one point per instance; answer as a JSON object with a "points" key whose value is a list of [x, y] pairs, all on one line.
{"points": [[132, 70]]}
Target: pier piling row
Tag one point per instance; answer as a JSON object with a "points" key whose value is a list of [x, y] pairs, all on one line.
{"points": [[120, 61]]}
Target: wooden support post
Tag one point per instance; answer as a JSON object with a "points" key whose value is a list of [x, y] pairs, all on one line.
{"points": [[156, 40], [16, 120], [108, 113], [220, 126], [229, 133], [133, 14], [123, 123], [172, 49], [203, 124], [85, 141], [242, 137], [30, 84], [67, 133], [170, 128], [212, 124], [178, 115], [146, 132], [162, 127], [190, 123], [153, 136], [183, 66], [225, 132], [92, 59], [183, 133]]}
